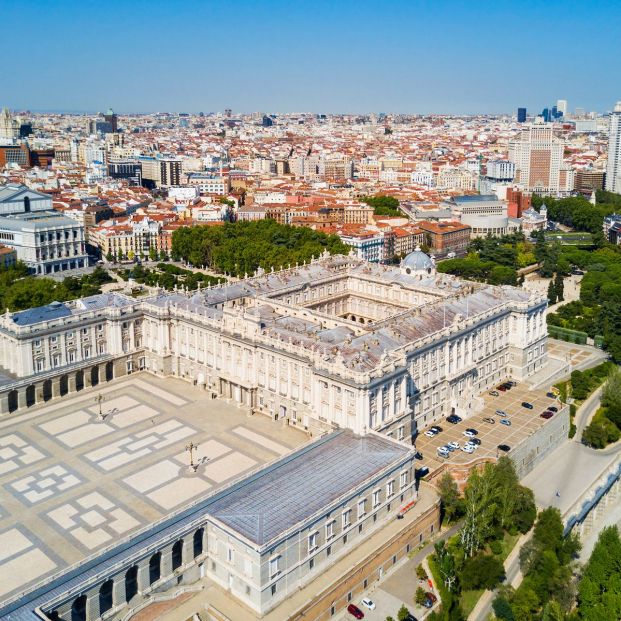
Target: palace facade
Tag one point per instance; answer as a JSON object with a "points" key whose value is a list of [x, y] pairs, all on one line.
{"points": [[337, 343]]}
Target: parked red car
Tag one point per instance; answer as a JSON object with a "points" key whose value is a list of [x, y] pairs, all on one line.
{"points": [[353, 610]]}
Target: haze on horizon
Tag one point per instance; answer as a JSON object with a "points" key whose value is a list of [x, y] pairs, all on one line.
{"points": [[328, 57]]}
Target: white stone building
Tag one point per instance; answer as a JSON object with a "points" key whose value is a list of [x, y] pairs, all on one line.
{"points": [[44, 239], [337, 343]]}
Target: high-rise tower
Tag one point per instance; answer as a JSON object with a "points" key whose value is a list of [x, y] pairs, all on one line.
{"points": [[613, 169]]}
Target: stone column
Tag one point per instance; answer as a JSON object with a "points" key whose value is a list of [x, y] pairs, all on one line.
{"points": [[167, 562], [4, 403], [143, 575], [92, 605], [71, 384], [21, 397], [118, 591], [55, 387]]}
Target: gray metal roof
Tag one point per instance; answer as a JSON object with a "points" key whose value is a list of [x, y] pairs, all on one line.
{"points": [[286, 491], [299, 487]]}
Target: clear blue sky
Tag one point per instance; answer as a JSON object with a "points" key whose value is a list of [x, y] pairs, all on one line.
{"points": [[408, 56]]}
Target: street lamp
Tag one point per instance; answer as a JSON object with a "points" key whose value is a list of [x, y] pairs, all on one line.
{"points": [[190, 448], [100, 399]]}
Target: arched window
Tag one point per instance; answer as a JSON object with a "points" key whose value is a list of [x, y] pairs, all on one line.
{"points": [[198, 542], [131, 583], [78, 609], [177, 554], [155, 569], [27, 204], [105, 596]]}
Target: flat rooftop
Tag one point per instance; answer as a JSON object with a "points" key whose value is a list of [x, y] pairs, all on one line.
{"points": [[75, 487], [300, 486]]}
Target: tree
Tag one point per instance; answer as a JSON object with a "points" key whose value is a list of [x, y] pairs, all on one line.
{"points": [[482, 572], [558, 286], [480, 508], [403, 613], [119, 254], [421, 595], [383, 205], [506, 481], [611, 397], [421, 574], [551, 293], [552, 612], [449, 496], [502, 609], [109, 257], [599, 590], [130, 255], [152, 253]]}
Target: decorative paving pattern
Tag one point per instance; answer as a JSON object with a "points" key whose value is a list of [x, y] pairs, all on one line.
{"points": [[21, 560], [15, 452], [45, 483], [266, 443], [168, 483], [93, 520], [134, 446], [83, 426]]}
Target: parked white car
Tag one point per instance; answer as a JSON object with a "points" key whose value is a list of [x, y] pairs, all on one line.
{"points": [[430, 434], [467, 448], [455, 445], [443, 452], [369, 603]]}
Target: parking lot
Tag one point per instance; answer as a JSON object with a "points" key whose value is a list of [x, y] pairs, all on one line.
{"points": [[523, 423]]}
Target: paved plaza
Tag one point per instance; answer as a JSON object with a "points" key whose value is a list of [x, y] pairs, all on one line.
{"points": [[73, 482]]}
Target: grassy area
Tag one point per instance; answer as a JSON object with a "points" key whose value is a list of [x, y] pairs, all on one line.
{"points": [[468, 600], [508, 543], [572, 238]]}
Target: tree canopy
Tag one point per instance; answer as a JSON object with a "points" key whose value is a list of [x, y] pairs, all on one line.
{"points": [[239, 248], [383, 205]]}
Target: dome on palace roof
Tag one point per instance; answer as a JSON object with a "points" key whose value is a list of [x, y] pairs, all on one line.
{"points": [[417, 261]]}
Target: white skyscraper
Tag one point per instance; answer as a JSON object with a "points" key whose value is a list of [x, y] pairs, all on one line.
{"points": [[613, 169], [561, 106]]}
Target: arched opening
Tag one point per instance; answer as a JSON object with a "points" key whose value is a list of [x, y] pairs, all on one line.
{"points": [[155, 567], [78, 609], [131, 583], [105, 596], [79, 380], [26, 204], [64, 385], [12, 400], [94, 376], [177, 554], [109, 371], [197, 542], [361, 320], [353, 317], [30, 396], [47, 390]]}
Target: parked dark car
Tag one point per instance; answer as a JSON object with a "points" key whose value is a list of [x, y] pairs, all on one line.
{"points": [[436, 428], [501, 387], [410, 617], [547, 415], [550, 395], [353, 610], [528, 406], [475, 441], [553, 408], [489, 419], [504, 447], [418, 455], [453, 419], [474, 431]]}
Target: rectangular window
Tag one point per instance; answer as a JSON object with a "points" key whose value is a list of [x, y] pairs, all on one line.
{"points": [[329, 530], [274, 570], [362, 507], [377, 498], [273, 589], [313, 542], [347, 518], [403, 479], [230, 555], [390, 489]]}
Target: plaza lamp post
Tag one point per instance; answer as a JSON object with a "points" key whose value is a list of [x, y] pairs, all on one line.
{"points": [[190, 448], [99, 399]]}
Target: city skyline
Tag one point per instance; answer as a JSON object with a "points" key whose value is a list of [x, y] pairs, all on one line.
{"points": [[411, 58]]}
